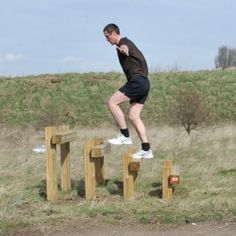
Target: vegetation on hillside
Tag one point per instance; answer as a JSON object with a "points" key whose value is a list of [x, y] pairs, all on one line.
{"points": [[206, 157], [80, 99]]}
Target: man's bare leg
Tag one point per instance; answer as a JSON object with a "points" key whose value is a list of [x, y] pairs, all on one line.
{"points": [[113, 104], [134, 115]]}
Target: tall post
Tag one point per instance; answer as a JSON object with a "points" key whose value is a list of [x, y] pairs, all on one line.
{"points": [[51, 173], [166, 188], [65, 162]]}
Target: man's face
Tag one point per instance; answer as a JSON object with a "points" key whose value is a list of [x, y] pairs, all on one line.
{"points": [[111, 37]]}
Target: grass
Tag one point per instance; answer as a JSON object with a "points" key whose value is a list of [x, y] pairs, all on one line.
{"points": [[206, 157], [37, 100], [206, 192]]}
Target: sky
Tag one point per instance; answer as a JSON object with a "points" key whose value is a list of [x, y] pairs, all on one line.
{"points": [[66, 36]]}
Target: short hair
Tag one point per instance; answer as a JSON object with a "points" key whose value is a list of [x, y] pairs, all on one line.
{"points": [[110, 28]]}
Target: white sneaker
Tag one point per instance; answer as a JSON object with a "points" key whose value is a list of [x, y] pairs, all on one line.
{"points": [[121, 139], [143, 154]]}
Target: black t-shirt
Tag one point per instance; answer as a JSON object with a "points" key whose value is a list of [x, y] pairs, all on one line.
{"points": [[134, 64]]}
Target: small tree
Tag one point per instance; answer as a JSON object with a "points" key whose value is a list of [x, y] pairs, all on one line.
{"points": [[189, 110], [226, 57], [232, 57]]}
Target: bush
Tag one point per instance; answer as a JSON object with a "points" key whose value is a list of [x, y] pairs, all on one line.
{"points": [[190, 110]]}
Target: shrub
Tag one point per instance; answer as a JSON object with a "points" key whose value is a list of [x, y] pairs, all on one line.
{"points": [[189, 110]]}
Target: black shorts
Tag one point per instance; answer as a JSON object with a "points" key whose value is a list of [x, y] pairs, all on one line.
{"points": [[136, 89]]}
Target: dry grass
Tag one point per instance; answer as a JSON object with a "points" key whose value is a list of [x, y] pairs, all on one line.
{"points": [[207, 189]]}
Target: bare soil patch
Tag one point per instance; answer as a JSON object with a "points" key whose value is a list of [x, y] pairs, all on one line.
{"points": [[96, 227]]}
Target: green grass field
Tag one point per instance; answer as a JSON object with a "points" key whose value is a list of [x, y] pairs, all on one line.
{"points": [[206, 157], [38, 100]]}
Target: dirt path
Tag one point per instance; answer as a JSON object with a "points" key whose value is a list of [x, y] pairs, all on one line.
{"points": [[97, 228]]}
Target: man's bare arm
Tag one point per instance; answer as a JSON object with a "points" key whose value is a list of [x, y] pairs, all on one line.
{"points": [[123, 49]]}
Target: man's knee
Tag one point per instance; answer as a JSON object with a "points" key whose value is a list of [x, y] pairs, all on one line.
{"points": [[133, 117], [111, 103]]}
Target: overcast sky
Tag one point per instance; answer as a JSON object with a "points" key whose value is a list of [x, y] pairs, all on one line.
{"points": [[58, 36]]}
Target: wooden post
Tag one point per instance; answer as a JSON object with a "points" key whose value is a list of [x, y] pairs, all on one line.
{"points": [[51, 173], [97, 153], [65, 162], [166, 188], [98, 162], [89, 169], [99, 171], [94, 151], [130, 173]]}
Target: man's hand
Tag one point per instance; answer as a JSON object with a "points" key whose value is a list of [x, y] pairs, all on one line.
{"points": [[123, 49]]}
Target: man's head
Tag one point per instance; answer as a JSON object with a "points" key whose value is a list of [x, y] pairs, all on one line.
{"points": [[110, 28], [112, 33]]}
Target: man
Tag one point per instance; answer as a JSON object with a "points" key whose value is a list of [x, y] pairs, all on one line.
{"points": [[135, 90]]}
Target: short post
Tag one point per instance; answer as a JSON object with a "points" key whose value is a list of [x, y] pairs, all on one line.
{"points": [[166, 187], [97, 154], [94, 151], [51, 173], [130, 173], [65, 162], [89, 169]]}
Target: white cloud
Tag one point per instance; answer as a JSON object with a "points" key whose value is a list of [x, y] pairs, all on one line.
{"points": [[11, 58]]}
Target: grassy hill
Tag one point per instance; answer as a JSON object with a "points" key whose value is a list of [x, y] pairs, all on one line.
{"points": [[80, 99], [206, 157]]}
